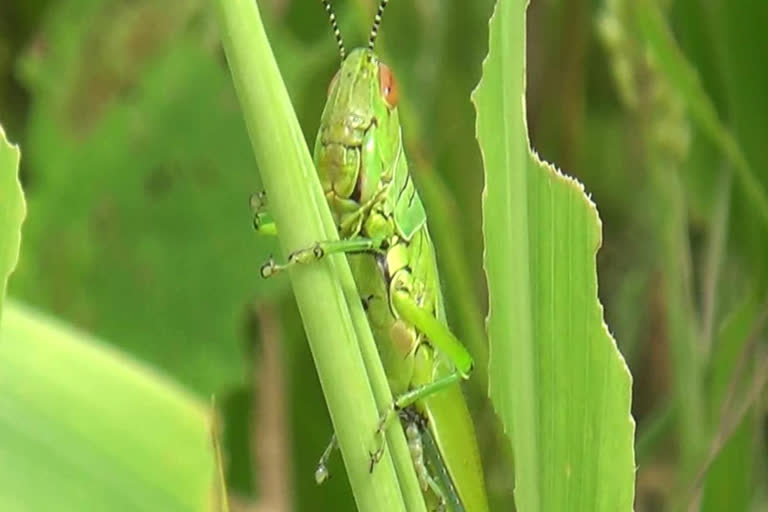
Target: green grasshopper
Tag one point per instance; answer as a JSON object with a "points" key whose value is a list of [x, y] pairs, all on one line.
{"points": [[382, 228]]}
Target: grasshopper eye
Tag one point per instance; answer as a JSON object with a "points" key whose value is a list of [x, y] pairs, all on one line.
{"points": [[388, 86], [333, 82]]}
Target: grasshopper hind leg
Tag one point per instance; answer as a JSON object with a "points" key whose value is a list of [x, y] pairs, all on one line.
{"points": [[321, 473], [401, 402]]}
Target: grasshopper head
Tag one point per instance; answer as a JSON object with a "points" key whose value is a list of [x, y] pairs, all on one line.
{"points": [[359, 131]]}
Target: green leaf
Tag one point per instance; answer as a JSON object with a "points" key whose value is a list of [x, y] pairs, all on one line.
{"points": [[12, 211], [139, 226], [84, 428], [731, 466], [685, 79], [557, 380]]}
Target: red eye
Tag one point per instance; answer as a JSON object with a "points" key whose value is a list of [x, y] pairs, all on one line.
{"points": [[388, 86], [333, 82]]}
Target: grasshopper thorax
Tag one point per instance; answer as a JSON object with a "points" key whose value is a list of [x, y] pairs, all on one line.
{"points": [[359, 137]]}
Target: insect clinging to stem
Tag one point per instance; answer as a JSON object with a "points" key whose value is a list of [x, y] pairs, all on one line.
{"points": [[382, 227]]}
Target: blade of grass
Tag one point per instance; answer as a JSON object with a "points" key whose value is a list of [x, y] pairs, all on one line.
{"points": [[343, 349], [219, 496], [682, 75], [681, 319], [737, 377], [653, 431], [84, 428], [12, 211], [713, 258], [663, 132], [557, 379]]}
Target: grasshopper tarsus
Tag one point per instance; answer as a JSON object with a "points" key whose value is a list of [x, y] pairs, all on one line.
{"points": [[258, 222], [375, 457], [258, 201], [367, 301], [269, 269], [307, 255], [321, 474]]}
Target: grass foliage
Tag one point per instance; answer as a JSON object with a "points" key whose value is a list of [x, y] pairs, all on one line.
{"points": [[137, 293]]}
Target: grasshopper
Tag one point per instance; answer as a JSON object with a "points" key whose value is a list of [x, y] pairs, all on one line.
{"points": [[382, 226]]}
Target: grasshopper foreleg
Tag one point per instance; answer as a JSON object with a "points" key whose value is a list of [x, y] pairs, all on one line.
{"points": [[265, 225], [262, 220], [318, 251]]}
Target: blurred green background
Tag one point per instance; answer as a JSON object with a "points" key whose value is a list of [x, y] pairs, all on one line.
{"points": [[138, 170]]}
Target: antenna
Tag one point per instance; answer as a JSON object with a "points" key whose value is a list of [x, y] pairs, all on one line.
{"points": [[335, 27], [376, 23]]}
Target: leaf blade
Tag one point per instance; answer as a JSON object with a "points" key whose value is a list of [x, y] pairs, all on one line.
{"points": [[12, 211], [557, 379], [74, 417]]}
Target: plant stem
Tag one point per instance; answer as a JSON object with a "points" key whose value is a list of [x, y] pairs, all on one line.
{"points": [[345, 354]]}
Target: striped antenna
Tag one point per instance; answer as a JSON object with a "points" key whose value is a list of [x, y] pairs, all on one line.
{"points": [[335, 27], [376, 23]]}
